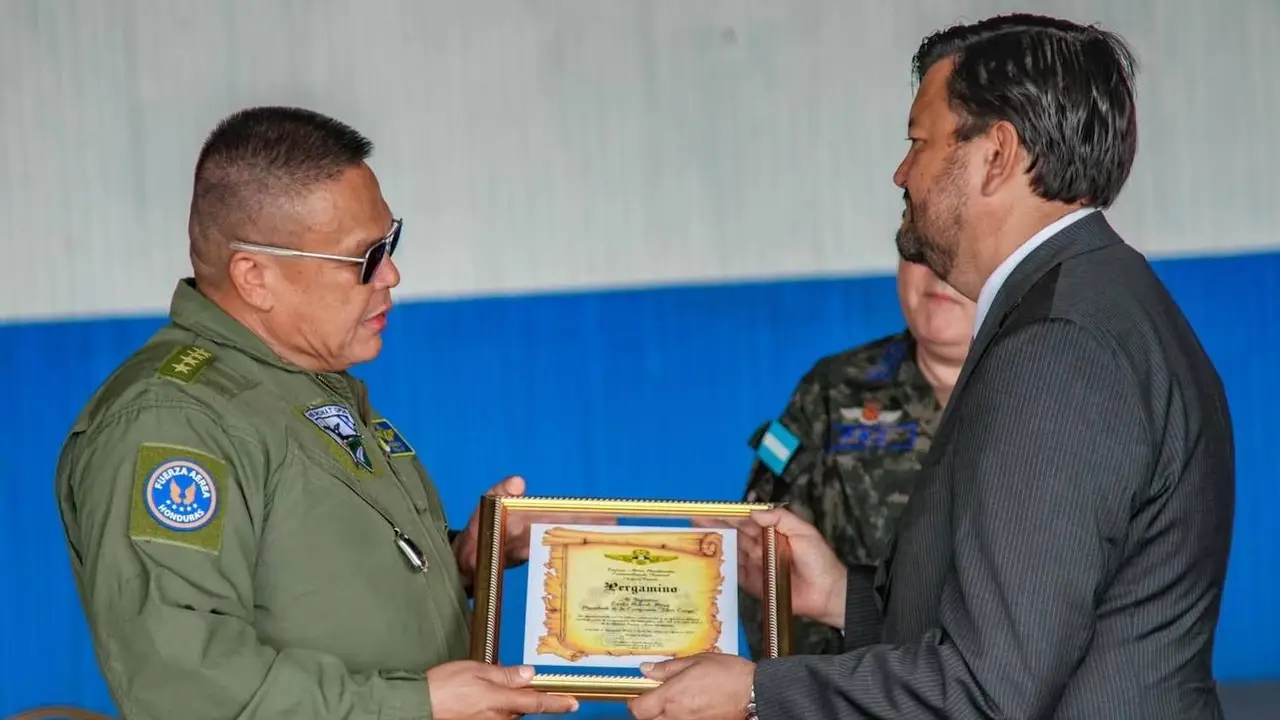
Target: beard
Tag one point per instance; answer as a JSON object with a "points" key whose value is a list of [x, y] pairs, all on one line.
{"points": [[930, 230]]}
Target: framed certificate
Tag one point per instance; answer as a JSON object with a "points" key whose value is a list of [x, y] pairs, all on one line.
{"points": [[644, 584]]}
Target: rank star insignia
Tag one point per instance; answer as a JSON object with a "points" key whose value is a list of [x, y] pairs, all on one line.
{"points": [[185, 363]]}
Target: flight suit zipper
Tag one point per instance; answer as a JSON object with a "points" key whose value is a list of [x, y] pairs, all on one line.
{"points": [[415, 556], [412, 553]]}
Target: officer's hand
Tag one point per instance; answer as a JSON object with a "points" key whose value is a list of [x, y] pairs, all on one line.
{"points": [[516, 543], [469, 690], [467, 545], [818, 577]]}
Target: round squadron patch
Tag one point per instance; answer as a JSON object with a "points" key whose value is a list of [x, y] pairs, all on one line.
{"points": [[181, 496]]}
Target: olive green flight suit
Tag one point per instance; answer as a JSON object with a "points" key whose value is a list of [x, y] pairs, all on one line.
{"points": [[232, 521]]}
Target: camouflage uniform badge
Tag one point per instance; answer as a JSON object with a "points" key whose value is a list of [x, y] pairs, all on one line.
{"points": [[871, 426], [390, 439], [185, 363], [337, 422], [175, 497]]}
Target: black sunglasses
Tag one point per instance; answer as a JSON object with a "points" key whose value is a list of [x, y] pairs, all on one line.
{"points": [[373, 257]]}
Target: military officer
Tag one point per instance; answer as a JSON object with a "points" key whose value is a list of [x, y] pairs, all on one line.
{"points": [[845, 450], [250, 536]]}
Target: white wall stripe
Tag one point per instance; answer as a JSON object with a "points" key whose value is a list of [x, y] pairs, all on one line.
{"points": [[568, 145]]}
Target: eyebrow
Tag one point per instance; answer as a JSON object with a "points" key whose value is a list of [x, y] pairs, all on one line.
{"points": [[365, 242]]}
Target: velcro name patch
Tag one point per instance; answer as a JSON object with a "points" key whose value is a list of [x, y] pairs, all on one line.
{"points": [[390, 439]]}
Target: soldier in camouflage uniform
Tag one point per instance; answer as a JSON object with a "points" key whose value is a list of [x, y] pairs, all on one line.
{"points": [[858, 424]]}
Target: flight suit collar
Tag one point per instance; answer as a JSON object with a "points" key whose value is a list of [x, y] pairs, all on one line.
{"points": [[192, 310]]}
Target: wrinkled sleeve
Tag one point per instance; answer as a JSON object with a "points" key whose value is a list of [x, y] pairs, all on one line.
{"points": [[1051, 441], [166, 565], [805, 416]]}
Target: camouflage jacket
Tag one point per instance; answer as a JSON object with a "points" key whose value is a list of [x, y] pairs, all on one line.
{"points": [[843, 456]]}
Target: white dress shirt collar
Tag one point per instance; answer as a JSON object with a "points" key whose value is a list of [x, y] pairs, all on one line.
{"points": [[993, 284]]}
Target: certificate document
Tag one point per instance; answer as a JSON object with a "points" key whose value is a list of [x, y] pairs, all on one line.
{"points": [[617, 596]]}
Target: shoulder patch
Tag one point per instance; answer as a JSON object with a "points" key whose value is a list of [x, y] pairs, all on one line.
{"points": [[390, 439], [777, 446], [185, 363], [176, 497], [336, 421]]}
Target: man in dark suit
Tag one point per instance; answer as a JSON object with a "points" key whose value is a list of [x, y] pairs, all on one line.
{"points": [[1065, 551]]}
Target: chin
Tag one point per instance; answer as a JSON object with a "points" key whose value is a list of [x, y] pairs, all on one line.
{"points": [[366, 351], [948, 334]]}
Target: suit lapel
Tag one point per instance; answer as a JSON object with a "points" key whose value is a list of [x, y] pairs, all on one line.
{"points": [[1087, 234]]}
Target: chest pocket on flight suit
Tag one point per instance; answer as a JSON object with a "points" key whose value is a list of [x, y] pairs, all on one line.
{"points": [[350, 450]]}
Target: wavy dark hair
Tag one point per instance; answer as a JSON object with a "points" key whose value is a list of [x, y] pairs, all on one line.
{"points": [[1067, 89]]}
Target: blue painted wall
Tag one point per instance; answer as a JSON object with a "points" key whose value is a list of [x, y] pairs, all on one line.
{"points": [[648, 393]]}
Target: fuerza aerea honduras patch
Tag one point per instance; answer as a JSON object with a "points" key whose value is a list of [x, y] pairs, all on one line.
{"points": [[176, 497]]}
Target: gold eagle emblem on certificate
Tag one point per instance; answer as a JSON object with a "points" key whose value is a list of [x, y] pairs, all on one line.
{"points": [[640, 556]]}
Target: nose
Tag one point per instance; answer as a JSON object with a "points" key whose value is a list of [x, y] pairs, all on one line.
{"points": [[900, 175], [387, 275]]}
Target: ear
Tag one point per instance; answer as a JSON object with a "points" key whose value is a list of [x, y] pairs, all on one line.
{"points": [[252, 280], [1002, 157]]}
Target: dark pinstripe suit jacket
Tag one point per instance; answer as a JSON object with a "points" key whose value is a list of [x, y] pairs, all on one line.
{"points": [[1064, 553]]}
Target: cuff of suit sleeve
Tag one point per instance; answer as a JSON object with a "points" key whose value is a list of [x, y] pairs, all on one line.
{"points": [[407, 697], [785, 684], [863, 615]]}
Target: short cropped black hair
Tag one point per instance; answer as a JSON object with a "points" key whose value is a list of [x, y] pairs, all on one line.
{"points": [[259, 157], [1068, 89]]}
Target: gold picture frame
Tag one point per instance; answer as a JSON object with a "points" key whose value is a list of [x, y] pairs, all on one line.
{"points": [[488, 587]]}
